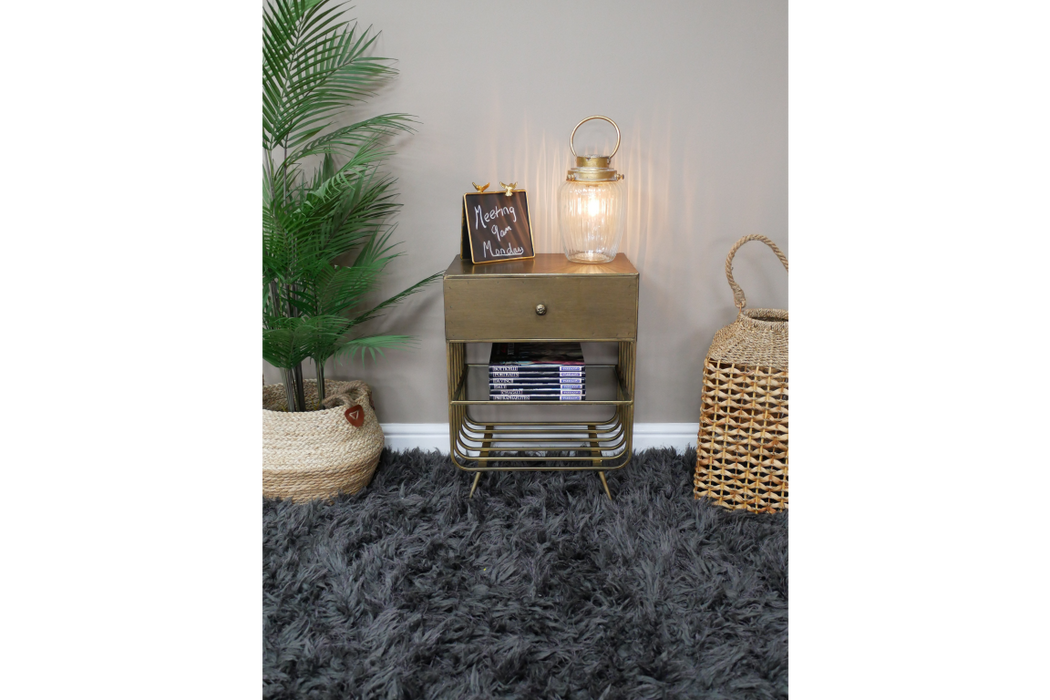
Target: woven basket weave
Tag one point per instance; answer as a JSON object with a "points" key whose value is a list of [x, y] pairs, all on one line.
{"points": [[742, 447], [319, 454]]}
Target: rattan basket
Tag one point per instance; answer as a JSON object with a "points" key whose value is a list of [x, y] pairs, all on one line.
{"points": [[742, 447], [321, 453]]}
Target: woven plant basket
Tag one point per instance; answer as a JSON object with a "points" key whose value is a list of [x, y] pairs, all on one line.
{"points": [[321, 453], [742, 447]]}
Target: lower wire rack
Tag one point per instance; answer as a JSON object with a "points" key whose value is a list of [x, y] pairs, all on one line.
{"points": [[593, 434], [497, 445]]}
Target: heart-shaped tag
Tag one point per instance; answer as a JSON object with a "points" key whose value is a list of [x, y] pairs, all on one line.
{"points": [[355, 415]]}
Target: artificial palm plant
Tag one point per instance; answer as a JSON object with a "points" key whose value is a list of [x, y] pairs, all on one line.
{"points": [[326, 206]]}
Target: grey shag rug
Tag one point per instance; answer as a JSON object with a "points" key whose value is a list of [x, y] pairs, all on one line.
{"points": [[538, 587]]}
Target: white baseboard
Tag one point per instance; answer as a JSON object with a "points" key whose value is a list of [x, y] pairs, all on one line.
{"points": [[425, 436], [434, 436], [676, 435]]}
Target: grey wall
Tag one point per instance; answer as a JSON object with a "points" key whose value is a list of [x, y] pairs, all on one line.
{"points": [[700, 92]]}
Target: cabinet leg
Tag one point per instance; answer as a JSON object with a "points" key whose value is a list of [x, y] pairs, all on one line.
{"points": [[486, 449], [596, 450]]}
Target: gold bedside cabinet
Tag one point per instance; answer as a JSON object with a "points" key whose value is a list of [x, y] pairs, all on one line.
{"points": [[546, 298]]}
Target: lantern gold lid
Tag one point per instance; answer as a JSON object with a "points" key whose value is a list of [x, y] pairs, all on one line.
{"points": [[594, 168]]}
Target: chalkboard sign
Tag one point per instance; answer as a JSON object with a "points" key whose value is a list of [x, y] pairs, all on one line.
{"points": [[496, 227]]}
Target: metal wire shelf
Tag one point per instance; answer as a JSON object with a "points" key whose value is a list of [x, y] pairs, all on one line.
{"points": [[587, 444]]}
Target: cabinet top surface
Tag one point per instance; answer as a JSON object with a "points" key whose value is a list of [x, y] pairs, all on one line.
{"points": [[542, 264]]}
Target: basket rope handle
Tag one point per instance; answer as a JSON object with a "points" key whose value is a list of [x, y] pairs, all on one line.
{"points": [[353, 393], [738, 293]]}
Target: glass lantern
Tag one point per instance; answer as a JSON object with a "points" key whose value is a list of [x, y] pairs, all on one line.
{"points": [[592, 204]]}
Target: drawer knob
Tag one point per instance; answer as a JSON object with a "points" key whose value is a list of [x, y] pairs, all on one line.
{"points": [[540, 309]]}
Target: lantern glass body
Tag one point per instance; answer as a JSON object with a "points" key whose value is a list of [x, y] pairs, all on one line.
{"points": [[591, 217]]}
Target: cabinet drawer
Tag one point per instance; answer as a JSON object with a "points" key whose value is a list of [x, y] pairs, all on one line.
{"points": [[578, 307]]}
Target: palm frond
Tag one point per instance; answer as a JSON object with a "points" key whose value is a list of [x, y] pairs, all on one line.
{"points": [[288, 340], [373, 344], [313, 67], [379, 308], [292, 30], [348, 139]]}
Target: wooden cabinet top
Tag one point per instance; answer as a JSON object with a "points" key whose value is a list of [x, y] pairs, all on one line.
{"points": [[550, 264]]}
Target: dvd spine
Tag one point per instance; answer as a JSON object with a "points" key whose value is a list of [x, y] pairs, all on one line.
{"points": [[537, 372], [563, 382], [533, 397], [529, 392]]}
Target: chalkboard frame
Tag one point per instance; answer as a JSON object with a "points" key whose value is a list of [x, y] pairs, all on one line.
{"points": [[471, 238]]}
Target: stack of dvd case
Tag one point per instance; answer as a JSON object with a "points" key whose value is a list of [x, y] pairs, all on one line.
{"points": [[537, 372]]}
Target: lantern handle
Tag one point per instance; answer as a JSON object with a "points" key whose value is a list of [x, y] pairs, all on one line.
{"points": [[596, 116], [738, 293]]}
